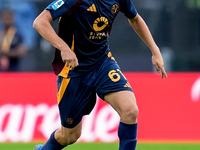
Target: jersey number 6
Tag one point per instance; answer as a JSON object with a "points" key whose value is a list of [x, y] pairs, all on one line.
{"points": [[114, 75]]}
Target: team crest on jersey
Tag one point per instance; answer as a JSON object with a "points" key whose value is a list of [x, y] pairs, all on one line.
{"points": [[69, 121], [114, 9], [57, 4]]}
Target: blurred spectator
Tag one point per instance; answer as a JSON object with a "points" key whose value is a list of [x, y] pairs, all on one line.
{"points": [[25, 13], [12, 48]]}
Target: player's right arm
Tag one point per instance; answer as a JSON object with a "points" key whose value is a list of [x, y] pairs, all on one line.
{"points": [[43, 25]]}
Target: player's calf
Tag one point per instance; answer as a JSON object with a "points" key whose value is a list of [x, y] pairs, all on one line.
{"points": [[69, 138], [127, 136], [51, 144]]}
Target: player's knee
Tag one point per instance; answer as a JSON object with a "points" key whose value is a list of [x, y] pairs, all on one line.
{"points": [[130, 114]]}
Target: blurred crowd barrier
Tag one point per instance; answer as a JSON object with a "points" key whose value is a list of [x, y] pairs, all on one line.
{"points": [[174, 25], [168, 109]]}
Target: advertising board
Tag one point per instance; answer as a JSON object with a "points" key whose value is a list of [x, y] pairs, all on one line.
{"points": [[169, 109]]}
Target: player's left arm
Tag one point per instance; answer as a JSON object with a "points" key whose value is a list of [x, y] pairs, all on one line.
{"points": [[143, 32]]}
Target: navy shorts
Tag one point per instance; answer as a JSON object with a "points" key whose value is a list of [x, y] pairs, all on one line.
{"points": [[77, 96]]}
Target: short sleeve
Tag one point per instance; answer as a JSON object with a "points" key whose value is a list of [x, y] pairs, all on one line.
{"points": [[60, 7], [128, 8]]}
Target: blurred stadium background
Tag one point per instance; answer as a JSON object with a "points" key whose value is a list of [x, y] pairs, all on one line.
{"points": [[175, 26]]}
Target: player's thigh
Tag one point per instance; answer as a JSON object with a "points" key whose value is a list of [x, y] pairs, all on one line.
{"points": [[76, 98], [114, 87], [121, 100]]}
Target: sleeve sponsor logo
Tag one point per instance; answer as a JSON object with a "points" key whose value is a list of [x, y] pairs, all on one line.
{"points": [[57, 4]]}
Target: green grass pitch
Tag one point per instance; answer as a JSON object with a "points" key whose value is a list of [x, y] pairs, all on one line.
{"points": [[107, 146]]}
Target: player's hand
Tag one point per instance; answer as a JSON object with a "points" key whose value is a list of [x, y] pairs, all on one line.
{"points": [[69, 58], [158, 63]]}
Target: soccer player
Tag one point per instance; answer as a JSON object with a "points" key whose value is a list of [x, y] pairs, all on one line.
{"points": [[85, 67]]}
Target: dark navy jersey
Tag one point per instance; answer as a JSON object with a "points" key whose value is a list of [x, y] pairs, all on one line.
{"points": [[85, 26]]}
